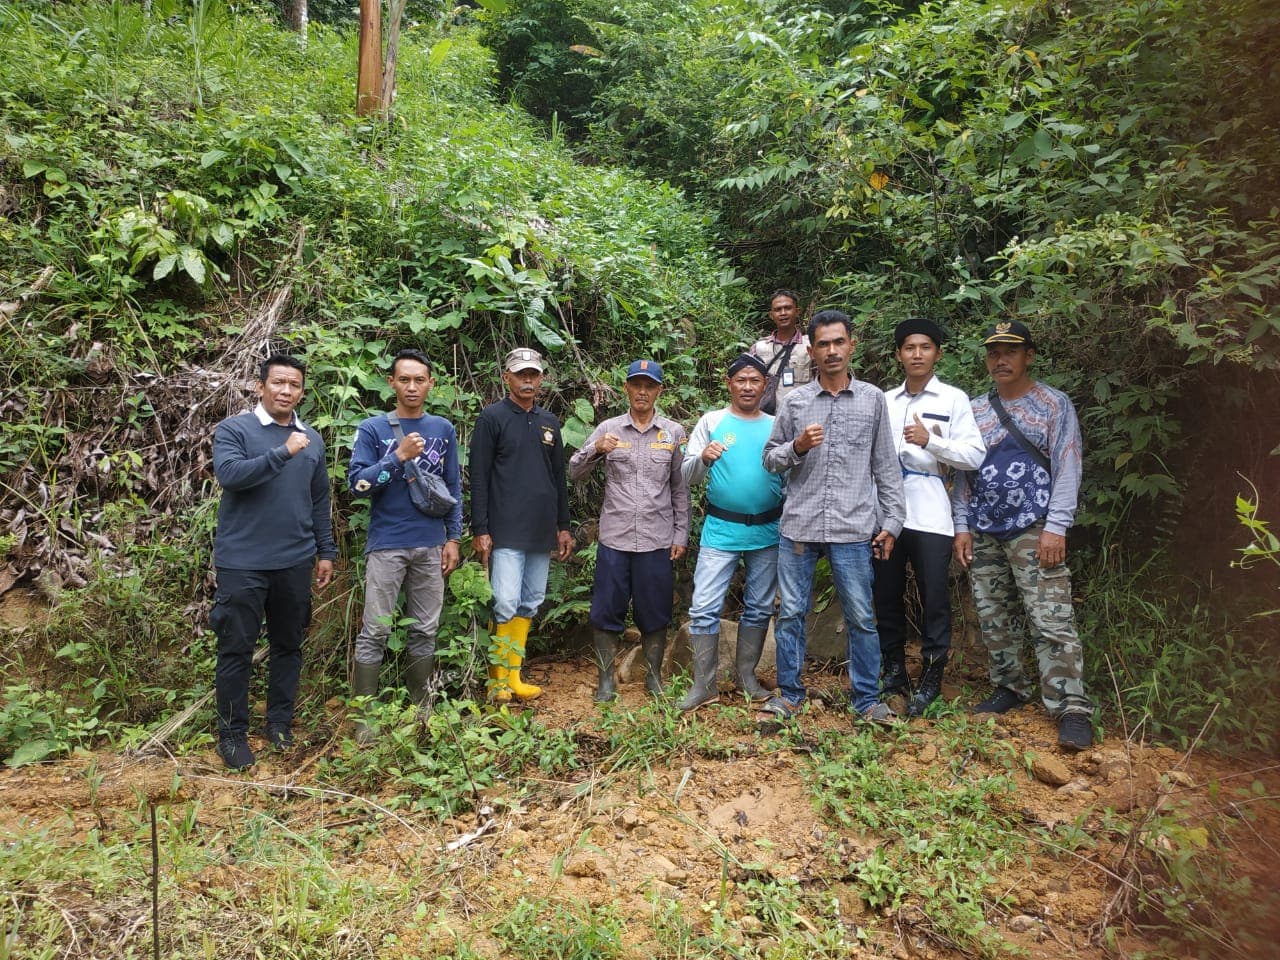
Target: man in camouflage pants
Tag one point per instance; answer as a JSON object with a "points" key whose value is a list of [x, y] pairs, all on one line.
{"points": [[1011, 519]]}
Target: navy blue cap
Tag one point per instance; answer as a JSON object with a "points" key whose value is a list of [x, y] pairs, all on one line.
{"points": [[645, 368]]}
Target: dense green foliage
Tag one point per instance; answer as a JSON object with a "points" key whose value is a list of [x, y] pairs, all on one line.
{"points": [[1106, 173], [182, 192]]}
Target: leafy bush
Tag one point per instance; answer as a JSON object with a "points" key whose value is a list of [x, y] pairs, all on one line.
{"points": [[442, 763]]}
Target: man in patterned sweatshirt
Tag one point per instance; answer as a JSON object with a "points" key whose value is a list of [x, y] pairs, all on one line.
{"points": [[1011, 520]]}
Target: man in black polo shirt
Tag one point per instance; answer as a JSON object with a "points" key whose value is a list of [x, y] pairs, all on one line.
{"points": [[519, 513]]}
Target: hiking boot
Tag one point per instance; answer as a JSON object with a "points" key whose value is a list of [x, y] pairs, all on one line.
{"points": [[235, 753], [364, 683], [1002, 700], [419, 675], [606, 644], [894, 679], [518, 637], [279, 736], [930, 687], [1075, 732]]}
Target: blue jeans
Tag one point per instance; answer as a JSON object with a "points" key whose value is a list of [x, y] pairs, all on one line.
{"points": [[519, 581], [711, 579], [851, 571]]}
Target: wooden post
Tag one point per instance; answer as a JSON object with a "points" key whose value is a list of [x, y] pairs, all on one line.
{"points": [[369, 79]]}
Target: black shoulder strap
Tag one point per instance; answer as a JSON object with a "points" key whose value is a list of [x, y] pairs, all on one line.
{"points": [[780, 358], [1019, 437], [409, 466]]}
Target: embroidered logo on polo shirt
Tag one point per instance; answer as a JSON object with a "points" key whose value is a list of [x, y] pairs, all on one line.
{"points": [[548, 436]]}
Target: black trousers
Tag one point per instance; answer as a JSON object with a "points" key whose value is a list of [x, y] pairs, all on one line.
{"points": [[242, 599], [930, 558]]}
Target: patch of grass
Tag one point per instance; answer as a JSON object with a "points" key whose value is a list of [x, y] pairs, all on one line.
{"points": [[1182, 882], [255, 887], [655, 733], [1177, 668], [545, 930], [944, 833], [443, 762]]}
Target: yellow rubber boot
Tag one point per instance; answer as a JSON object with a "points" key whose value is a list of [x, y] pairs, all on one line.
{"points": [[519, 637], [499, 691]]}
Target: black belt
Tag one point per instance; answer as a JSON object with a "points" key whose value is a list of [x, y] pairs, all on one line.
{"points": [[747, 519]]}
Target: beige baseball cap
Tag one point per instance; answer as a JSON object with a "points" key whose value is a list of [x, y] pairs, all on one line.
{"points": [[522, 358]]}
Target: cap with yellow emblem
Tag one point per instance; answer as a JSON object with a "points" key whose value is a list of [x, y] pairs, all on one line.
{"points": [[1008, 331]]}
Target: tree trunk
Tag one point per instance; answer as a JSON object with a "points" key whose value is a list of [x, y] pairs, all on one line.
{"points": [[296, 17], [368, 90], [395, 13]]}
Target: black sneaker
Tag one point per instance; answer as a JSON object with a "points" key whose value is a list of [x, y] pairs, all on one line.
{"points": [[1002, 700], [235, 753], [1075, 732], [279, 736]]}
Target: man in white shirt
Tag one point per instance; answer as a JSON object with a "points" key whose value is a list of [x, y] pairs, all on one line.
{"points": [[933, 430]]}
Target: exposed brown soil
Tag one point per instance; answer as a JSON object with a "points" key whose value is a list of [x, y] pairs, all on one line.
{"points": [[688, 831]]}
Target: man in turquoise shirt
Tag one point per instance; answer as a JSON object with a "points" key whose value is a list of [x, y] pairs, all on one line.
{"points": [[743, 504]]}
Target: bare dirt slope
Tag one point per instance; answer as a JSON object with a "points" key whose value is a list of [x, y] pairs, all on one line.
{"points": [[690, 832]]}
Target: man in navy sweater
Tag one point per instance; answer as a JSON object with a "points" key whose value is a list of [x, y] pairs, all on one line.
{"points": [[273, 522], [405, 548]]}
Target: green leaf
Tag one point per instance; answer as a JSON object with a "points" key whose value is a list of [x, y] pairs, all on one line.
{"points": [[31, 752], [575, 432], [439, 50], [1044, 144], [532, 320], [193, 264], [210, 157], [164, 267]]}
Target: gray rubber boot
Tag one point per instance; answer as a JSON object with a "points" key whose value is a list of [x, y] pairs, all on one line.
{"points": [[418, 676], [654, 645], [364, 683], [747, 657], [706, 664], [606, 652]]}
